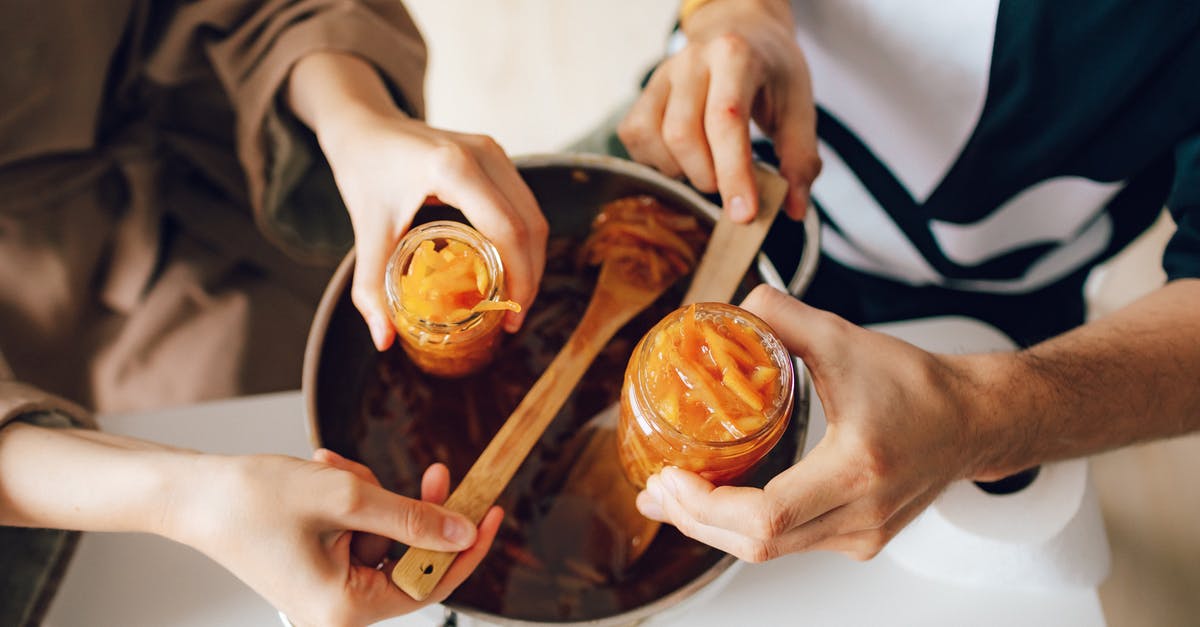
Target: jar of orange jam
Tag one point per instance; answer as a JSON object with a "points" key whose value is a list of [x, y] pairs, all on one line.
{"points": [[708, 389], [445, 288]]}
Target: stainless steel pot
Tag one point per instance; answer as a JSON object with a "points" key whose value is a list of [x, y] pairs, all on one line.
{"points": [[569, 187]]}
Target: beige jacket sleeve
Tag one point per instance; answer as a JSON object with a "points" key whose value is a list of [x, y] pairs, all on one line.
{"points": [[251, 46]]}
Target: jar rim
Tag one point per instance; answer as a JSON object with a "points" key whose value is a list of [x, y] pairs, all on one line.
{"points": [[448, 230], [775, 348]]}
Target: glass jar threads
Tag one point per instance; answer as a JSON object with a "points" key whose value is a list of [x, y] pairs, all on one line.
{"points": [[445, 288], [708, 389]]}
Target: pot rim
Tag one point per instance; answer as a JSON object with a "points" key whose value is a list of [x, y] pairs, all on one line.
{"points": [[807, 267]]}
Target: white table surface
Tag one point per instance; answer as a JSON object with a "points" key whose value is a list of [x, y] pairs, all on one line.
{"points": [[134, 580]]}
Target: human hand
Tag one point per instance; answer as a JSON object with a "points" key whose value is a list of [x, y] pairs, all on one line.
{"points": [[387, 165], [741, 62], [900, 428], [308, 536]]}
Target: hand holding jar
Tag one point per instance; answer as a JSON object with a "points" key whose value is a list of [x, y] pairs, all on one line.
{"points": [[899, 431], [708, 389], [387, 165]]}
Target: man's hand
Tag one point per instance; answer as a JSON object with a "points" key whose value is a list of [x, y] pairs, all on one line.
{"points": [[387, 165], [898, 433], [741, 62]]}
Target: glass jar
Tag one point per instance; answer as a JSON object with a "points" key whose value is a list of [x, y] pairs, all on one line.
{"points": [[457, 347], [682, 404]]}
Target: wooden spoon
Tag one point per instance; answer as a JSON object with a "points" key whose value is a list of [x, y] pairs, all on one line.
{"points": [[597, 474], [615, 302]]}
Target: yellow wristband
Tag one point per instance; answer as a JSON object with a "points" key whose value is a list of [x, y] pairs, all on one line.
{"points": [[689, 7]]}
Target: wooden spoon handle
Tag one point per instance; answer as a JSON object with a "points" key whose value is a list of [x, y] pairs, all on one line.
{"points": [[733, 246], [419, 570]]}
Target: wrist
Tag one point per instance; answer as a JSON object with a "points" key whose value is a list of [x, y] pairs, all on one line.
{"points": [[699, 18], [337, 95], [997, 398], [183, 480]]}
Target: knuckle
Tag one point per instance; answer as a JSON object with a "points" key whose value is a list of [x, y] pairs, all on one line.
{"points": [[767, 524], [414, 522], [450, 159], [871, 547], [757, 552], [762, 296], [730, 45], [632, 131], [878, 514], [685, 59], [488, 144], [514, 231], [679, 133], [541, 227], [361, 296], [806, 167], [686, 525], [350, 497]]}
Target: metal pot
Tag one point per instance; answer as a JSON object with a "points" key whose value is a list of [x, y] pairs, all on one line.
{"points": [[568, 187]]}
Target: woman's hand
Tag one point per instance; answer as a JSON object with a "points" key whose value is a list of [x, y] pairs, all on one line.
{"points": [[387, 165], [741, 62], [309, 536], [901, 426]]}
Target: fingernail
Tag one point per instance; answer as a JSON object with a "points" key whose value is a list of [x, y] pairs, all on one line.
{"points": [[379, 330], [649, 507], [739, 210], [512, 323], [456, 532]]}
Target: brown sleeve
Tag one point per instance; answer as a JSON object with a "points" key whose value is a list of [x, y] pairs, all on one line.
{"points": [[19, 400], [251, 46]]}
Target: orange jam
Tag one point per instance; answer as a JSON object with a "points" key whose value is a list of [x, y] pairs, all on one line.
{"points": [[708, 389], [445, 288], [651, 242]]}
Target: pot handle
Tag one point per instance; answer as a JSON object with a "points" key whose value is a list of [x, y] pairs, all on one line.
{"points": [[807, 268]]}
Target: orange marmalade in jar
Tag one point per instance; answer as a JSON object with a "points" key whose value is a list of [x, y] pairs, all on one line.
{"points": [[445, 288], [709, 389]]}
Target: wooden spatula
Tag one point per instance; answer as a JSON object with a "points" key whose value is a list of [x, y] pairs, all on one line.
{"points": [[615, 301], [596, 474]]}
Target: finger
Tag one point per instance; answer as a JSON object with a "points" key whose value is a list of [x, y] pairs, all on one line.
{"points": [[366, 548], [795, 139], [500, 169], [415, 523], [326, 456], [468, 560], [683, 129], [810, 333], [865, 544], [372, 249], [396, 602], [813, 487], [460, 180], [641, 129], [726, 540], [435, 484], [734, 81]]}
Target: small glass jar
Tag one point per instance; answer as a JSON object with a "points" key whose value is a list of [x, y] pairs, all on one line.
{"points": [[447, 349], [651, 433]]}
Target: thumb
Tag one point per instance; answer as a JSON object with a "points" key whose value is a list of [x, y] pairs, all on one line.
{"points": [[804, 330], [412, 522]]}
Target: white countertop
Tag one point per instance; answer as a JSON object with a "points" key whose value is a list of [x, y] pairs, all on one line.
{"points": [[135, 580]]}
